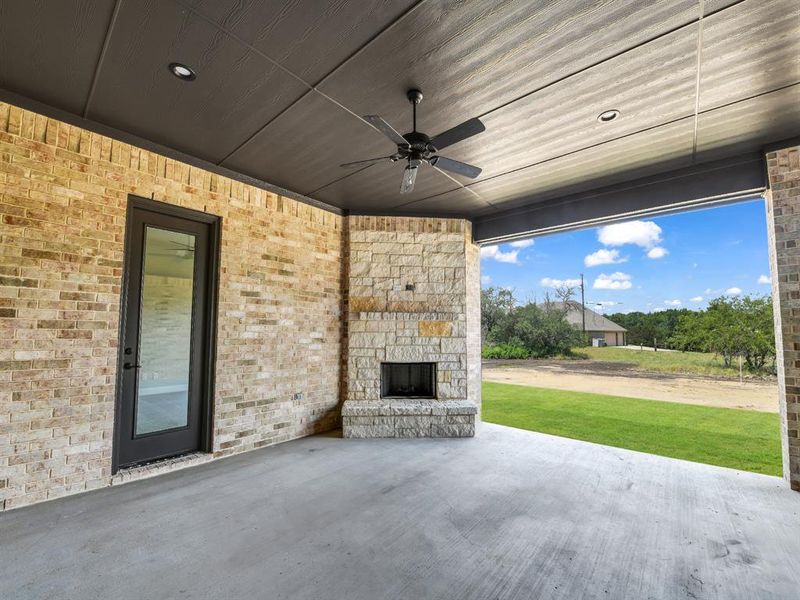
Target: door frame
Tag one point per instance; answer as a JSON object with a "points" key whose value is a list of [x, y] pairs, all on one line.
{"points": [[210, 352]]}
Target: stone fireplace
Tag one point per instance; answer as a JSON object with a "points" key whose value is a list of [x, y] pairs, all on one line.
{"points": [[413, 328]]}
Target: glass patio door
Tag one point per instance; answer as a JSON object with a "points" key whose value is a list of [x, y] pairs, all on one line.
{"points": [[163, 395]]}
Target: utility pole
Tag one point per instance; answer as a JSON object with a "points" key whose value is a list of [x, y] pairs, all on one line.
{"points": [[583, 311]]}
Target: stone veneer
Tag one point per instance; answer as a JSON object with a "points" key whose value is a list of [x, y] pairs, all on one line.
{"points": [[409, 280], [783, 221], [63, 197]]}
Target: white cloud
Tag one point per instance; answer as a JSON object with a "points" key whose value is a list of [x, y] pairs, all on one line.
{"points": [[603, 305], [486, 279], [522, 243], [603, 257], [733, 291], [696, 299], [708, 291], [494, 253], [657, 252], [764, 280], [557, 283], [673, 302], [615, 281], [642, 233]]}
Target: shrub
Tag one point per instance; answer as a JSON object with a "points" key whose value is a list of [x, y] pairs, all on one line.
{"points": [[504, 351], [542, 330]]}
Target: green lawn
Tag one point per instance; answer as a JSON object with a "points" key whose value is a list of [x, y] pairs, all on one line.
{"points": [[697, 363], [740, 439]]}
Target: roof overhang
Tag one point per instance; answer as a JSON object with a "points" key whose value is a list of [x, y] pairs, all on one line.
{"points": [[719, 182], [282, 89]]}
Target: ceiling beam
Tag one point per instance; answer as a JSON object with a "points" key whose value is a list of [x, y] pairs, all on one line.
{"points": [[101, 57], [717, 182]]}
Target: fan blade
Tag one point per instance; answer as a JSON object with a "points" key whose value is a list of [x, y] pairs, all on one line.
{"points": [[454, 166], [386, 129], [458, 133], [369, 161], [409, 177]]}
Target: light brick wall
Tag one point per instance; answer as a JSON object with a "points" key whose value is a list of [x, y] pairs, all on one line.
{"points": [[63, 196], [783, 221], [388, 322]]}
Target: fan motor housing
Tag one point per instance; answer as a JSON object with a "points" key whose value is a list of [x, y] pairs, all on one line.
{"points": [[419, 141]]}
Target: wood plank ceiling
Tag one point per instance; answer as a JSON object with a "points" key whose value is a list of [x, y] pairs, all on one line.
{"points": [[280, 87]]}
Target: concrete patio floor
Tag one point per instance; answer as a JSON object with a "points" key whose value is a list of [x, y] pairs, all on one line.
{"points": [[508, 514]]}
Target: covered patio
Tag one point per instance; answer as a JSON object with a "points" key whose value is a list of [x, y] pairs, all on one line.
{"points": [[508, 514], [231, 230]]}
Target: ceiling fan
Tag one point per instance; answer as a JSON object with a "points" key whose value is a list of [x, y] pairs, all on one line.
{"points": [[178, 250], [416, 148]]}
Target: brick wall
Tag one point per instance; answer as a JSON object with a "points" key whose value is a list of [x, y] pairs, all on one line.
{"points": [[783, 220], [63, 195]]}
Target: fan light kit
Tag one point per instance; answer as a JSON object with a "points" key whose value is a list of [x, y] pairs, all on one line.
{"points": [[182, 72], [608, 115], [416, 148]]}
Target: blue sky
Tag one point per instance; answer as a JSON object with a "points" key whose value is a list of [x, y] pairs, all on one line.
{"points": [[680, 260]]}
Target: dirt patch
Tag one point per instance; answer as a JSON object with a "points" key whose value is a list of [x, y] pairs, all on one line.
{"points": [[574, 365], [625, 379], [610, 369]]}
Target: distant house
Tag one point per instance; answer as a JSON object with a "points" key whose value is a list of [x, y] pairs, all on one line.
{"points": [[597, 326]]}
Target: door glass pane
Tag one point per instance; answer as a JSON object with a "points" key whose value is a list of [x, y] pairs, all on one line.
{"points": [[165, 331]]}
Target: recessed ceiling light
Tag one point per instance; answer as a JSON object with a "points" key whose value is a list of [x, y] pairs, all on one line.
{"points": [[608, 115], [182, 72]]}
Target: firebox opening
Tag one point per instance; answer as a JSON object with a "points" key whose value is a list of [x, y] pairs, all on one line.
{"points": [[408, 380]]}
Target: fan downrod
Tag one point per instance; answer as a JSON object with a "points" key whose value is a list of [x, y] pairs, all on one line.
{"points": [[415, 97]]}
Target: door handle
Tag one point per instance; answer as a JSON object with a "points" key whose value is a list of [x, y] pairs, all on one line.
{"points": [[128, 365]]}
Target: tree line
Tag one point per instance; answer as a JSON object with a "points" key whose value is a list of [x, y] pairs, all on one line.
{"points": [[730, 327], [654, 329]]}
